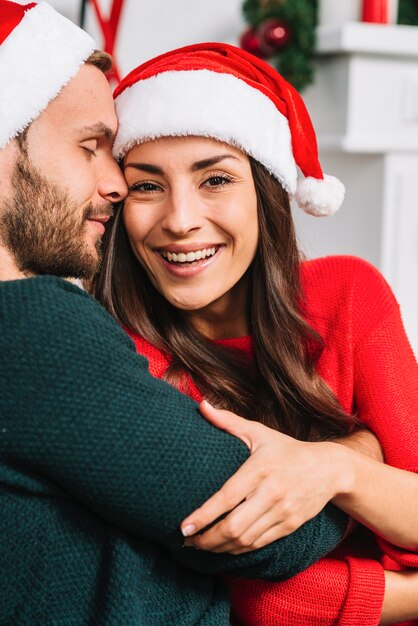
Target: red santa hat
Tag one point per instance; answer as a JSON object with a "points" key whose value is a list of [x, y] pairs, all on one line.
{"points": [[40, 52], [220, 91]]}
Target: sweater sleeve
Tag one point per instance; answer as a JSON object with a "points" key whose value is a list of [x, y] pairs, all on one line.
{"points": [[386, 391], [387, 400], [82, 417], [347, 591]]}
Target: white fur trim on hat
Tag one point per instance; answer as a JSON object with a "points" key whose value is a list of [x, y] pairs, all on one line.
{"points": [[41, 55], [320, 197], [207, 104]]}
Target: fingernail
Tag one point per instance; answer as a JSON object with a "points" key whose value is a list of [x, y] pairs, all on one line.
{"points": [[188, 530]]}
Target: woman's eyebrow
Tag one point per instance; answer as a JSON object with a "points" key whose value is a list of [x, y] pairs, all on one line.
{"points": [[146, 167], [200, 165]]}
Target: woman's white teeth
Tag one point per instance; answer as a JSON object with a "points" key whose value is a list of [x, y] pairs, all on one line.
{"points": [[189, 257]]}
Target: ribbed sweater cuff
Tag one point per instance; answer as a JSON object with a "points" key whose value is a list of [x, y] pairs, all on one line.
{"points": [[365, 593]]}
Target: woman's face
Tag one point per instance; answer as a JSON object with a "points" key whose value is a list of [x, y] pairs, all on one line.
{"points": [[191, 218]]}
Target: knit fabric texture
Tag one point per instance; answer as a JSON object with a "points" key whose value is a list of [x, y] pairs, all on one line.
{"points": [[369, 364], [99, 464]]}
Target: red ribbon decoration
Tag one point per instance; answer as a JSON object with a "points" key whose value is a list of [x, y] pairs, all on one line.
{"points": [[109, 28], [375, 11]]}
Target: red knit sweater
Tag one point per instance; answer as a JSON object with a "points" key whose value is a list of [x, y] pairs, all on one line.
{"points": [[369, 364]]}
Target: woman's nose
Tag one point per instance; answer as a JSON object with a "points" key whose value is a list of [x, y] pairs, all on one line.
{"points": [[182, 216]]}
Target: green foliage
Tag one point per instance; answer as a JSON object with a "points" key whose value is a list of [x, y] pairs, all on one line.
{"points": [[295, 61], [408, 12]]}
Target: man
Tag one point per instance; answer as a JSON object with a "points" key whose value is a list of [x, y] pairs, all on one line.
{"points": [[99, 462]]}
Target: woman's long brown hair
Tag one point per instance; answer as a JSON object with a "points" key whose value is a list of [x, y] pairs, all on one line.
{"points": [[280, 387]]}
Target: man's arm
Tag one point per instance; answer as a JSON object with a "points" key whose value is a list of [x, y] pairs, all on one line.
{"points": [[80, 409]]}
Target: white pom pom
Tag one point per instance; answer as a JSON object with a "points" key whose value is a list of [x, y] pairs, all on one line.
{"points": [[320, 197]]}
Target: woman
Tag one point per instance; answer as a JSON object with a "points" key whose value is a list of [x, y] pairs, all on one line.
{"points": [[203, 270]]}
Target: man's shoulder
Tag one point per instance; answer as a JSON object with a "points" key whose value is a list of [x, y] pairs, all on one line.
{"points": [[41, 291], [52, 307]]}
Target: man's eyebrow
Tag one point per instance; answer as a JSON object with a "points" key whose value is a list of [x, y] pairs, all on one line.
{"points": [[97, 129], [146, 167], [200, 165]]}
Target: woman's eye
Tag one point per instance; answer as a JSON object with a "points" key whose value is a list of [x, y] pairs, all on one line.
{"points": [[217, 181], [144, 187]]}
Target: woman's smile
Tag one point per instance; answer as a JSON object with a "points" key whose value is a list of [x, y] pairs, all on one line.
{"points": [[189, 260]]}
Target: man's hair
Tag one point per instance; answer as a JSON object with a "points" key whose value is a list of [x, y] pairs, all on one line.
{"points": [[101, 60]]}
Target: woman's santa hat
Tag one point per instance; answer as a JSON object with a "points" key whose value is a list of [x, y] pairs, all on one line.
{"points": [[40, 52], [220, 91]]}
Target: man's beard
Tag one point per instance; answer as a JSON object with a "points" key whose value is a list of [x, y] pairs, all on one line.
{"points": [[45, 230]]}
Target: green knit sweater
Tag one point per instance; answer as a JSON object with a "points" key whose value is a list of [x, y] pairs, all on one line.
{"points": [[99, 463]]}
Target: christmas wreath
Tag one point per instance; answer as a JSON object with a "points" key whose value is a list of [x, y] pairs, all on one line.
{"points": [[283, 31]]}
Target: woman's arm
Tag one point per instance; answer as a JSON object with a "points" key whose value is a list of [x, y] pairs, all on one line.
{"points": [[287, 481], [304, 475], [383, 498], [364, 441], [401, 597], [386, 382]]}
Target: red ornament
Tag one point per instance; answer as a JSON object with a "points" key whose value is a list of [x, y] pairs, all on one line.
{"points": [[274, 35], [375, 11], [250, 42]]}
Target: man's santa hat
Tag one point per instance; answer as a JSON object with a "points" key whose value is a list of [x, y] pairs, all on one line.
{"points": [[220, 91], [40, 52]]}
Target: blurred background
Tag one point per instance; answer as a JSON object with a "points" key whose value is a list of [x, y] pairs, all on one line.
{"points": [[149, 28], [356, 63]]}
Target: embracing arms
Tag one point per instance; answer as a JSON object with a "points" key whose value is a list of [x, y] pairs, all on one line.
{"points": [[287, 481], [370, 359], [81, 414]]}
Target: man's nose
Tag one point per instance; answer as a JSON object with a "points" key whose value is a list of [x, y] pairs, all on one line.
{"points": [[113, 186]]}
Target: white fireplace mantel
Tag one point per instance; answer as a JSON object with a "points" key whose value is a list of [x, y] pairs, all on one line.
{"points": [[358, 37], [366, 94], [364, 105]]}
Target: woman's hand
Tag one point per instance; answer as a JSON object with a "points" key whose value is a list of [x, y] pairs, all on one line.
{"points": [[283, 484]]}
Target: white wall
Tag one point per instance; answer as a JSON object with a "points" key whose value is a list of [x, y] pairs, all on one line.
{"points": [[151, 28]]}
